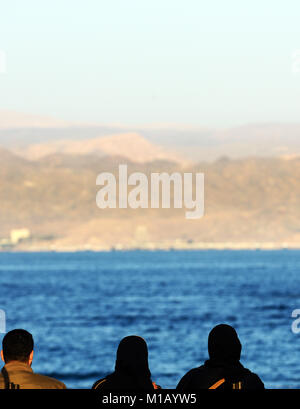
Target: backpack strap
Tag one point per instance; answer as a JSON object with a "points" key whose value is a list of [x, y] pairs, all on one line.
{"points": [[6, 378], [7, 383], [98, 384], [217, 384]]}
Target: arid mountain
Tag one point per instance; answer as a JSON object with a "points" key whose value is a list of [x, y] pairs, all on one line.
{"points": [[132, 146], [246, 201], [252, 194], [27, 133]]}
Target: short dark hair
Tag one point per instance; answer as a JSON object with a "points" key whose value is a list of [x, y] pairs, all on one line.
{"points": [[17, 345]]}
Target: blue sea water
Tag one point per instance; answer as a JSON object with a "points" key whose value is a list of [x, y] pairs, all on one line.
{"points": [[80, 305]]}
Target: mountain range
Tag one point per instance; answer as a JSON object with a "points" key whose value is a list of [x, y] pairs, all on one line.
{"points": [[254, 201], [48, 174], [35, 136]]}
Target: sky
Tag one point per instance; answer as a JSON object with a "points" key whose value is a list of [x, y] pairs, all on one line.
{"points": [[205, 63]]}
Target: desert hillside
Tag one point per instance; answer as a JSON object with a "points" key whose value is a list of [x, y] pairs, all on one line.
{"points": [[246, 201], [133, 146]]}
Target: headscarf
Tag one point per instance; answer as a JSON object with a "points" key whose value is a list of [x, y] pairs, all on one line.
{"points": [[132, 369], [224, 344]]}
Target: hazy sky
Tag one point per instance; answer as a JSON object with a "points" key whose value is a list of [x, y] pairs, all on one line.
{"points": [[204, 63]]}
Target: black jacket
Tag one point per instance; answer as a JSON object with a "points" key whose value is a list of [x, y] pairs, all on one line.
{"points": [[221, 376], [119, 382], [131, 369], [223, 370]]}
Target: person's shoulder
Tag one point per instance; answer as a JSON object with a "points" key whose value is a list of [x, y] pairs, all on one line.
{"points": [[188, 378], [252, 380], [46, 382], [195, 371], [256, 381], [99, 384]]}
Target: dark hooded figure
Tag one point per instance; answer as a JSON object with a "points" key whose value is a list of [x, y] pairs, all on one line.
{"points": [[131, 369], [223, 370]]}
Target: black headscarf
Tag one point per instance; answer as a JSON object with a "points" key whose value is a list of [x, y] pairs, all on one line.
{"points": [[224, 344], [131, 369]]}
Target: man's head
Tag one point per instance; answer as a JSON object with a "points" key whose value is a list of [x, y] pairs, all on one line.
{"points": [[17, 345], [224, 344]]}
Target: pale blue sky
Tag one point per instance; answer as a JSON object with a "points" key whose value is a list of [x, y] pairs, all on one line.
{"points": [[205, 63]]}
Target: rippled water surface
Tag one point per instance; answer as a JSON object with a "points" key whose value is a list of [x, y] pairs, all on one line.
{"points": [[78, 306]]}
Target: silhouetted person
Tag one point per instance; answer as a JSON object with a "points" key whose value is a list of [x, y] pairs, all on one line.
{"points": [[223, 370], [17, 353], [131, 368]]}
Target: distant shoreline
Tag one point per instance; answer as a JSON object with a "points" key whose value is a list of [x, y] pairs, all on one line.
{"points": [[122, 248]]}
